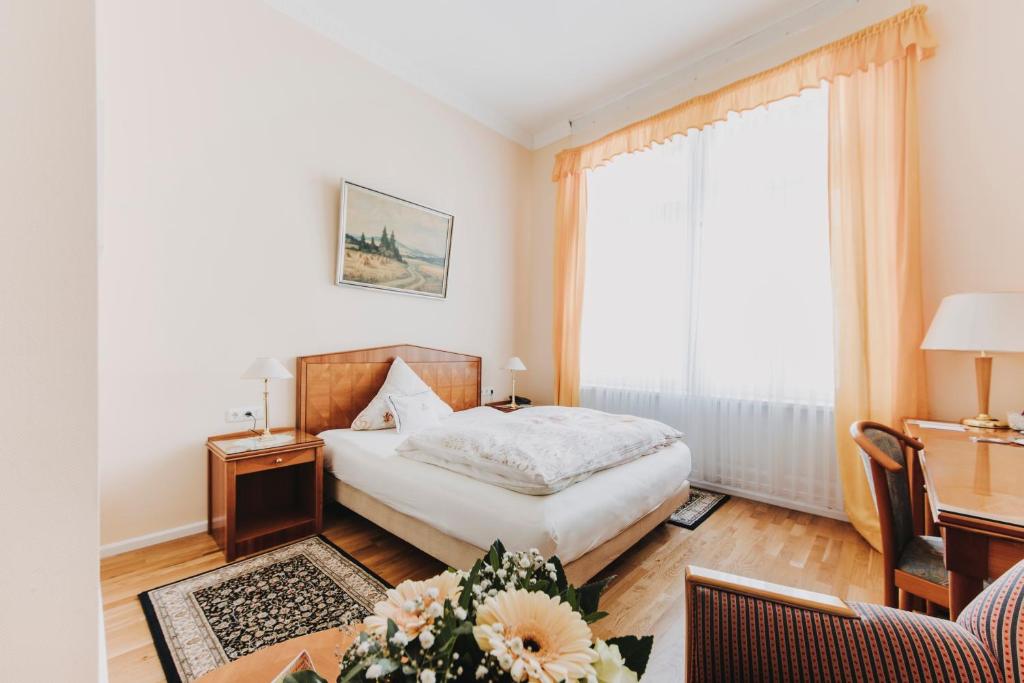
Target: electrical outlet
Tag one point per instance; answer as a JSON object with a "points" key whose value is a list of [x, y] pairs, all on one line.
{"points": [[243, 414], [487, 394]]}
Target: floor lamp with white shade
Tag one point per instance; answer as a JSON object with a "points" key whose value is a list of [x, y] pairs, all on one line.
{"points": [[990, 322]]}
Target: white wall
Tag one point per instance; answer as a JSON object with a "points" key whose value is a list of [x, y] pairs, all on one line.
{"points": [[972, 170], [972, 160], [49, 579], [225, 128]]}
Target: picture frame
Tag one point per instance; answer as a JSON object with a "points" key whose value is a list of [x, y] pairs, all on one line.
{"points": [[392, 244]]}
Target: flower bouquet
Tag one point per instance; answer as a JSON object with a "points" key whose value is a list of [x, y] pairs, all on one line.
{"points": [[513, 617]]}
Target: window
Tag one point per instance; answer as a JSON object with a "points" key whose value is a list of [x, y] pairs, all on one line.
{"points": [[708, 301]]}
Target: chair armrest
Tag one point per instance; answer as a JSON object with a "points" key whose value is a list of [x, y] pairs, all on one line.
{"points": [[819, 602], [740, 629]]}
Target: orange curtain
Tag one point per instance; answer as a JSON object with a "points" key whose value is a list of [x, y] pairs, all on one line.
{"points": [[874, 214], [570, 267], [905, 34], [876, 267]]}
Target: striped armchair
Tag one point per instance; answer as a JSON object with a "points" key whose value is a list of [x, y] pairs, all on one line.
{"points": [[744, 630]]}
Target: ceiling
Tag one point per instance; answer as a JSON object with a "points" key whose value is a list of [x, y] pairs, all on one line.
{"points": [[525, 68]]}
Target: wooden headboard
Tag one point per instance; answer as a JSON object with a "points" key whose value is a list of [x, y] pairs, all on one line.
{"points": [[334, 387]]}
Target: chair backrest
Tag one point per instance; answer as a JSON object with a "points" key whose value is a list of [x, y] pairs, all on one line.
{"points": [[885, 450], [996, 618]]}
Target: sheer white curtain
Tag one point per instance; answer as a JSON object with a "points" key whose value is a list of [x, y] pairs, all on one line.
{"points": [[708, 299]]}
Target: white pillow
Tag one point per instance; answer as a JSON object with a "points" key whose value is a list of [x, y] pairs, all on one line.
{"points": [[414, 413], [401, 381]]}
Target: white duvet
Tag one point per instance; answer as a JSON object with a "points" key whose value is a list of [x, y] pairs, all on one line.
{"points": [[539, 451]]}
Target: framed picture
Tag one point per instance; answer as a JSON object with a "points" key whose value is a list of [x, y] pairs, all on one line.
{"points": [[389, 243]]}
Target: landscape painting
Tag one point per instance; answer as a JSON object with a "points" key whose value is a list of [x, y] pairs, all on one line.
{"points": [[389, 243]]}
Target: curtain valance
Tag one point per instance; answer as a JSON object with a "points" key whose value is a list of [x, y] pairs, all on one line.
{"points": [[904, 35]]}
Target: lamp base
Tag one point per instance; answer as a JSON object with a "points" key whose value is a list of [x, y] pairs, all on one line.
{"points": [[983, 421]]}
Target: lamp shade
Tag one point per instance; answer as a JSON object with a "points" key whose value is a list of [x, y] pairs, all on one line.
{"points": [[514, 363], [991, 322], [266, 368]]}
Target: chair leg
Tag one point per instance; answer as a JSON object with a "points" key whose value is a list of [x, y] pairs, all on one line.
{"points": [[906, 601], [891, 593]]}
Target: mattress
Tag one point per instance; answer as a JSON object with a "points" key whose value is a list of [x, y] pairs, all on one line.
{"points": [[568, 523]]}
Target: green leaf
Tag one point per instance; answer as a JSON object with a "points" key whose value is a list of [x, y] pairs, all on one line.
{"points": [[388, 665], [466, 597], [594, 616], [560, 580], [351, 674], [305, 676], [494, 557], [590, 595], [635, 650], [570, 597], [392, 629]]}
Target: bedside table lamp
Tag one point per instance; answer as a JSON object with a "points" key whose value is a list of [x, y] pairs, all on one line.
{"points": [[981, 322], [514, 365], [266, 369]]}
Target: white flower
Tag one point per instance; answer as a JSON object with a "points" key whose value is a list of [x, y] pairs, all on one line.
{"points": [[610, 666], [427, 676], [409, 606], [433, 593], [375, 671], [550, 566], [481, 671], [435, 610], [427, 638], [400, 638], [524, 562], [502, 573], [460, 614], [363, 648]]}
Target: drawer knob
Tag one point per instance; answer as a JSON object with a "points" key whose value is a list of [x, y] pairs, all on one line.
{"points": [[278, 459]]}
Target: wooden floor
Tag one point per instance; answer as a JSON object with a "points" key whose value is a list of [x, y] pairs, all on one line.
{"points": [[743, 537]]}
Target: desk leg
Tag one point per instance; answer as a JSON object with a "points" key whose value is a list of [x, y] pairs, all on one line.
{"points": [[962, 589], [967, 562]]}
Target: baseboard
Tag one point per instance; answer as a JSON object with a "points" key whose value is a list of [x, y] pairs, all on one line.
{"points": [[145, 540], [773, 500]]}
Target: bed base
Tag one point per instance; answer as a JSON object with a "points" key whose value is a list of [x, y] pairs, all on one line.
{"points": [[462, 555]]}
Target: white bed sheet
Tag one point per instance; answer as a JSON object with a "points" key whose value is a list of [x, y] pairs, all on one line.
{"points": [[568, 523]]}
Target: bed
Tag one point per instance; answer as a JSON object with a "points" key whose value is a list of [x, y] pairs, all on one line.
{"points": [[454, 517]]}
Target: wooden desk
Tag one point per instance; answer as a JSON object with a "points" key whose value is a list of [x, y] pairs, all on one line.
{"points": [[261, 666], [976, 495]]}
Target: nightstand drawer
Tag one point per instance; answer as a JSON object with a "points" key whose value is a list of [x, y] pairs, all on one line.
{"points": [[271, 462]]}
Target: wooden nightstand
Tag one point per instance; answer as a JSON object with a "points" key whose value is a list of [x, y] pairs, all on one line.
{"points": [[262, 494]]}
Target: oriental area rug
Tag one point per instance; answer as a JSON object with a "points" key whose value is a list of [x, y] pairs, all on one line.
{"points": [[205, 621]]}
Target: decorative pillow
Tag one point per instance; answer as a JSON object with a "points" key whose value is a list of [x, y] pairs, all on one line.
{"points": [[401, 381], [415, 412]]}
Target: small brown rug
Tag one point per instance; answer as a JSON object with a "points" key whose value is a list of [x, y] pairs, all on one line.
{"points": [[702, 504], [208, 620]]}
